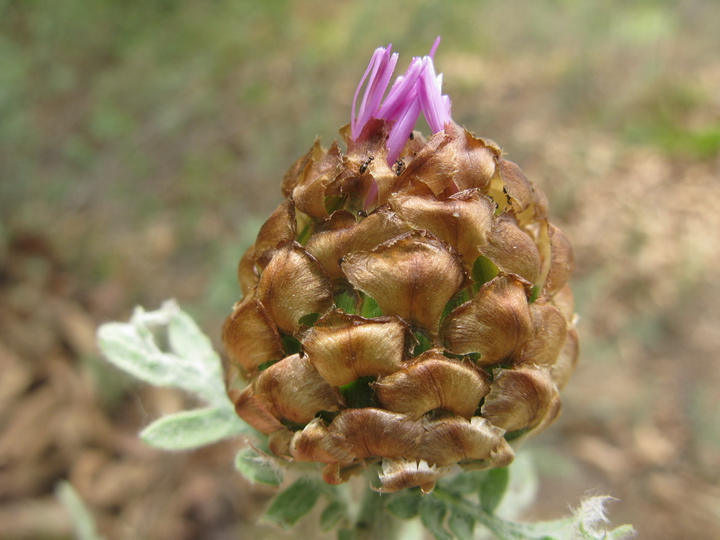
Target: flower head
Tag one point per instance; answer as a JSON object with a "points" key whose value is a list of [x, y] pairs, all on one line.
{"points": [[407, 305], [419, 90]]}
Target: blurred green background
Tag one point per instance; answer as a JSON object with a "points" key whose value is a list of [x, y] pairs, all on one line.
{"points": [[142, 143]]}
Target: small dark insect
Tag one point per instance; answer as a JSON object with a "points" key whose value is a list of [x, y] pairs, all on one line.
{"points": [[399, 167], [412, 136], [366, 164], [362, 213]]}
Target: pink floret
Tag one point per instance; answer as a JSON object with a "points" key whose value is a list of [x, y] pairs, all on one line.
{"points": [[419, 90]]}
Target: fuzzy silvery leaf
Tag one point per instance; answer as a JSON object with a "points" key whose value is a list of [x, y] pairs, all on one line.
{"points": [[193, 429], [333, 513], [258, 467], [587, 523], [82, 519], [166, 348], [432, 514], [461, 525], [296, 501], [590, 521], [492, 488], [404, 504], [522, 488]]}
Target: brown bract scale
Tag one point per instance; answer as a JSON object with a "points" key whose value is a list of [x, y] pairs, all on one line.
{"points": [[519, 398], [342, 234], [280, 227], [366, 164], [316, 443], [463, 220], [412, 276], [315, 177], [250, 335], [290, 390], [344, 348], [293, 285], [496, 323], [433, 167], [433, 381], [562, 261], [512, 249], [375, 432], [476, 158], [567, 359], [413, 314], [453, 439], [399, 474], [247, 275], [547, 337]]}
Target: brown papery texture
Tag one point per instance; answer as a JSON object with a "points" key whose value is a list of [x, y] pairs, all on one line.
{"points": [[415, 314]]}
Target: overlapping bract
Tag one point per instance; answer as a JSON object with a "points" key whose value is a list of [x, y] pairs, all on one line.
{"points": [[423, 328]]}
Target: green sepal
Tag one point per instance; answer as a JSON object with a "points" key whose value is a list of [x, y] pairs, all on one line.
{"points": [[346, 302], [309, 320], [423, 343], [511, 436], [534, 293], [370, 307], [291, 345], [305, 234], [359, 394], [457, 300], [483, 270]]}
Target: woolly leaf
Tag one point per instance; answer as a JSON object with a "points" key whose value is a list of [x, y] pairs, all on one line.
{"points": [[492, 488], [333, 513], [405, 504], [166, 348], [258, 467], [461, 526], [432, 513], [192, 429], [296, 501], [587, 523], [80, 515]]}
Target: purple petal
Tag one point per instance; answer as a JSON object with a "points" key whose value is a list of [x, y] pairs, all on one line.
{"points": [[435, 106], [402, 93], [419, 90], [381, 67], [401, 130], [434, 47]]}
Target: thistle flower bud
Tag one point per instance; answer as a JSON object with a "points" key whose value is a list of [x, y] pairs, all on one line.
{"points": [[407, 304]]}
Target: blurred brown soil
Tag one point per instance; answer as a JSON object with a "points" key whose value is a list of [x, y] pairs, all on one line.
{"points": [[53, 426]]}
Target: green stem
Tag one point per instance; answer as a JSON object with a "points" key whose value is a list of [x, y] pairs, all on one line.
{"points": [[504, 530], [373, 521]]}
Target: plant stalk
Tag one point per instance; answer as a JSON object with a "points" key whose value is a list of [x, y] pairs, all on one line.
{"points": [[373, 522]]}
